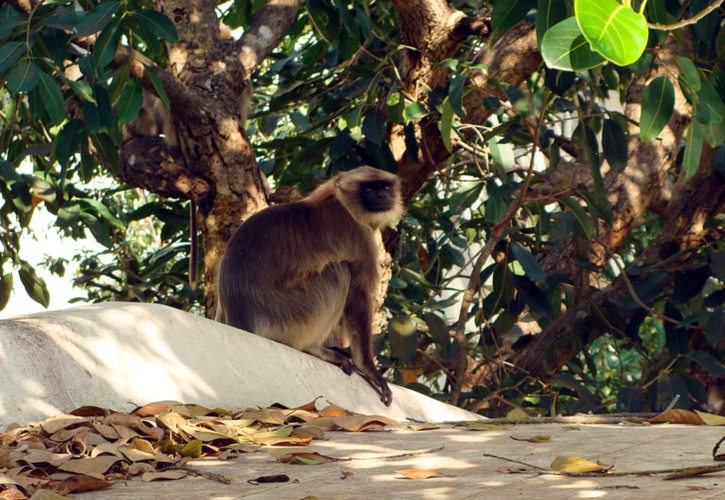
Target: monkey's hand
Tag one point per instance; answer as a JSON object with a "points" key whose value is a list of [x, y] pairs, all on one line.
{"points": [[373, 377]]}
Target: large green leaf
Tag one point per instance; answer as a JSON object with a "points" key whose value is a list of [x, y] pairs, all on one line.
{"points": [[693, 149], [564, 47], [130, 102], [158, 24], [548, 13], [23, 78], [96, 20], [52, 98], [658, 102], [9, 53], [34, 285], [614, 144], [506, 13], [612, 29], [107, 43], [68, 140], [6, 289]]}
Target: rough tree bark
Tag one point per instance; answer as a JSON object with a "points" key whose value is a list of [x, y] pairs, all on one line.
{"points": [[207, 83]]}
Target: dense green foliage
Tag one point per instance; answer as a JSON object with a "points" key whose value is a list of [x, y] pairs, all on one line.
{"points": [[327, 101]]}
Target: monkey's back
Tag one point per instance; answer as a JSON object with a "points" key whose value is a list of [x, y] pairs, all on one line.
{"points": [[287, 263]]}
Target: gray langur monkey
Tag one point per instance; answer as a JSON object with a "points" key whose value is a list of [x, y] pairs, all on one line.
{"points": [[291, 272]]}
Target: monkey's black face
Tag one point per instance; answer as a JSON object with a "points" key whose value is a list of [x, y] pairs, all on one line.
{"points": [[377, 196]]}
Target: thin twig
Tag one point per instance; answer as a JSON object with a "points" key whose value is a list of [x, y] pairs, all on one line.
{"points": [[691, 20], [542, 470], [413, 453]]}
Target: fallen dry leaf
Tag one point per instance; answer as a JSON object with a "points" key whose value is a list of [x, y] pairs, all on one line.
{"points": [[276, 478], [577, 464], [94, 467], [47, 495], [363, 423], [79, 484], [164, 475], [54, 424], [12, 493], [533, 439], [693, 472], [517, 413], [335, 411], [711, 419], [421, 473], [425, 426], [677, 417], [307, 458]]}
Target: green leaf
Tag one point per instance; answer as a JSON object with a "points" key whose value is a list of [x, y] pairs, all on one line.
{"points": [[159, 86], [9, 53], [689, 73], [658, 102], [455, 94], [693, 149], [130, 102], [708, 362], [68, 140], [6, 289], [584, 224], [23, 78], [710, 107], [413, 111], [533, 297], [107, 43], [438, 330], [34, 285], [548, 13], [614, 30], [564, 47], [9, 20], [325, 19], [527, 260], [52, 98], [82, 89], [104, 212], [97, 19], [506, 13], [446, 123], [403, 336], [374, 128], [614, 144], [156, 22]]}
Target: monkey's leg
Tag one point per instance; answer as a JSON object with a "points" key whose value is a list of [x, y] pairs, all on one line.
{"points": [[358, 316], [332, 355]]}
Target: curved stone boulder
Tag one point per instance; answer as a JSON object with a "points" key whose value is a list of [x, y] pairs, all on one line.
{"points": [[121, 355]]}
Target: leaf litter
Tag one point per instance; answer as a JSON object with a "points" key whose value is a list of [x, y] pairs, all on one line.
{"points": [[90, 447]]}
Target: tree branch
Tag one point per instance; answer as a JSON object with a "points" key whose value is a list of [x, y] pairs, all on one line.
{"points": [[269, 27]]}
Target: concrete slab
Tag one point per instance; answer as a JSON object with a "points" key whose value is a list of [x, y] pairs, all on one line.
{"points": [[471, 475], [120, 355]]}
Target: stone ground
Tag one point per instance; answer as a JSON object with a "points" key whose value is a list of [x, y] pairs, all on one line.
{"points": [[459, 454]]}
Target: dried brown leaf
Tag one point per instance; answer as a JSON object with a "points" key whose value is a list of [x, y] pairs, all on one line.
{"points": [[276, 478], [171, 421], [94, 467], [364, 423], [271, 416], [140, 468], [12, 493], [421, 473], [46, 495], [106, 431], [677, 417], [577, 464], [324, 423], [107, 449], [424, 426], [335, 411], [710, 419], [79, 484], [154, 409], [164, 475], [205, 435], [692, 472], [39, 456], [54, 424], [307, 458], [307, 431], [311, 406], [90, 411], [534, 439]]}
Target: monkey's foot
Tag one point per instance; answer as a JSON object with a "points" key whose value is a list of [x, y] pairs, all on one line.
{"points": [[378, 383]]}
